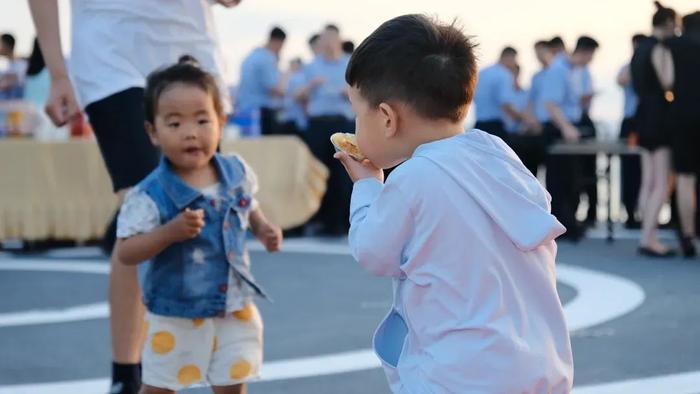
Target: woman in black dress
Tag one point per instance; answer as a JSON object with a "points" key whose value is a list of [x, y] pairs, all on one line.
{"points": [[685, 123], [651, 69]]}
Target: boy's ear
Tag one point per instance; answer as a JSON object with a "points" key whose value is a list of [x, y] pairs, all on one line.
{"points": [[390, 119], [151, 131]]}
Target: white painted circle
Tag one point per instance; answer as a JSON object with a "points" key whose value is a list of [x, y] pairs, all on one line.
{"points": [[600, 297]]}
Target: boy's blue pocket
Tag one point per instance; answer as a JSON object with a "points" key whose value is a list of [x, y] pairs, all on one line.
{"points": [[390, 337]]}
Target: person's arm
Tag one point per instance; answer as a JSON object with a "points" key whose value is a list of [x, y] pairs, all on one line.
{"points": [[272, 79], [523, 117], [142, 247], [8, 81], [270, 235], [61, 104], [512, 113], [304, 92], [554, 92], [568, 130], [506, 97], [624, 77], [587, 89], [380, 219]]}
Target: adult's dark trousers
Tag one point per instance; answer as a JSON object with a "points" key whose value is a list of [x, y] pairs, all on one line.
{"points": [[493, 126], [530, 148], [268, 121], [631, 172], [588, 179], [118, 123], [334, 213], [563, 180]]}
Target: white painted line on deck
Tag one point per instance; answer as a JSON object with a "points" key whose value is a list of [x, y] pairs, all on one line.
{"points": [[680, 383], [600, 297]]}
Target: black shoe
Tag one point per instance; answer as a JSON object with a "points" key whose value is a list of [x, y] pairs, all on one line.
{"points": [[687, 247], [649, 252], [121, 388], [633, 224], [126, 378], [670, 225]]}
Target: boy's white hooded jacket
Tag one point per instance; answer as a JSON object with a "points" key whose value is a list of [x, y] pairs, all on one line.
{"points": [[466, 232]]}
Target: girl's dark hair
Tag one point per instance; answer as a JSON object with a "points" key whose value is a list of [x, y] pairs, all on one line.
{"points": [[36, 60], [186, 71], [662, 15]]}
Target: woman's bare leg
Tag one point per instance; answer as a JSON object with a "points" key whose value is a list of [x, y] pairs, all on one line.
{"points": [[686, 199], [659, 161]]}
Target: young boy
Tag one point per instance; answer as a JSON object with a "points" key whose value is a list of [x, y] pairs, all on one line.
{"points": [[462, 227]]}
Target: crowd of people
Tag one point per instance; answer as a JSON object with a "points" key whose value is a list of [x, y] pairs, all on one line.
{"points": [[660, 93], [12, 79], [664, 76], [555, 108], [307, 100]]}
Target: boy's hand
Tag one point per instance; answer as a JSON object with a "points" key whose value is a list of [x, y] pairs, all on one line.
{"points": [[270, 236], [359, 170], [187, 225]]}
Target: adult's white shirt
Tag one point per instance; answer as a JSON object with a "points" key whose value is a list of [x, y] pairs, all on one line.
{"points": [[117, 43]]}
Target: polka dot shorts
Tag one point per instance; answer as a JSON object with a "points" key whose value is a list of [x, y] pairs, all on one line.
{"points": [[222, 351]]}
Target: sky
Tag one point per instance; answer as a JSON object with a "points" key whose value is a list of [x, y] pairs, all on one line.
{"points": [[492, 23]]}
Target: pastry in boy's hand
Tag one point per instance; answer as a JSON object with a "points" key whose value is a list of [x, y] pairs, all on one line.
{"points": [[347, 143]]}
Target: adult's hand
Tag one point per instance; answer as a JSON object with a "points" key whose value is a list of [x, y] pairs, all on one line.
{"points": [[571, 133], [61, 105]]}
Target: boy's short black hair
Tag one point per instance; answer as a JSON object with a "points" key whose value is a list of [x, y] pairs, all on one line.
{"points": [[187, 71], [508, 51], [277, 34], [9, 40], [418, 61], [332, 27], [586, 43]]}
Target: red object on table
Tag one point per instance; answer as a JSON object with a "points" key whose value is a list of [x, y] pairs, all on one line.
{"points": [[79, 127]]}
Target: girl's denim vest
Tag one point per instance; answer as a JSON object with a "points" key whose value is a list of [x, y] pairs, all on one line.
{"points": [[190, 279]]}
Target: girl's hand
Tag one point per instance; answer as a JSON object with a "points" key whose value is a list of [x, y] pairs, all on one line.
{"points": [[359, 170], [187, 225], [270, 236]]}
